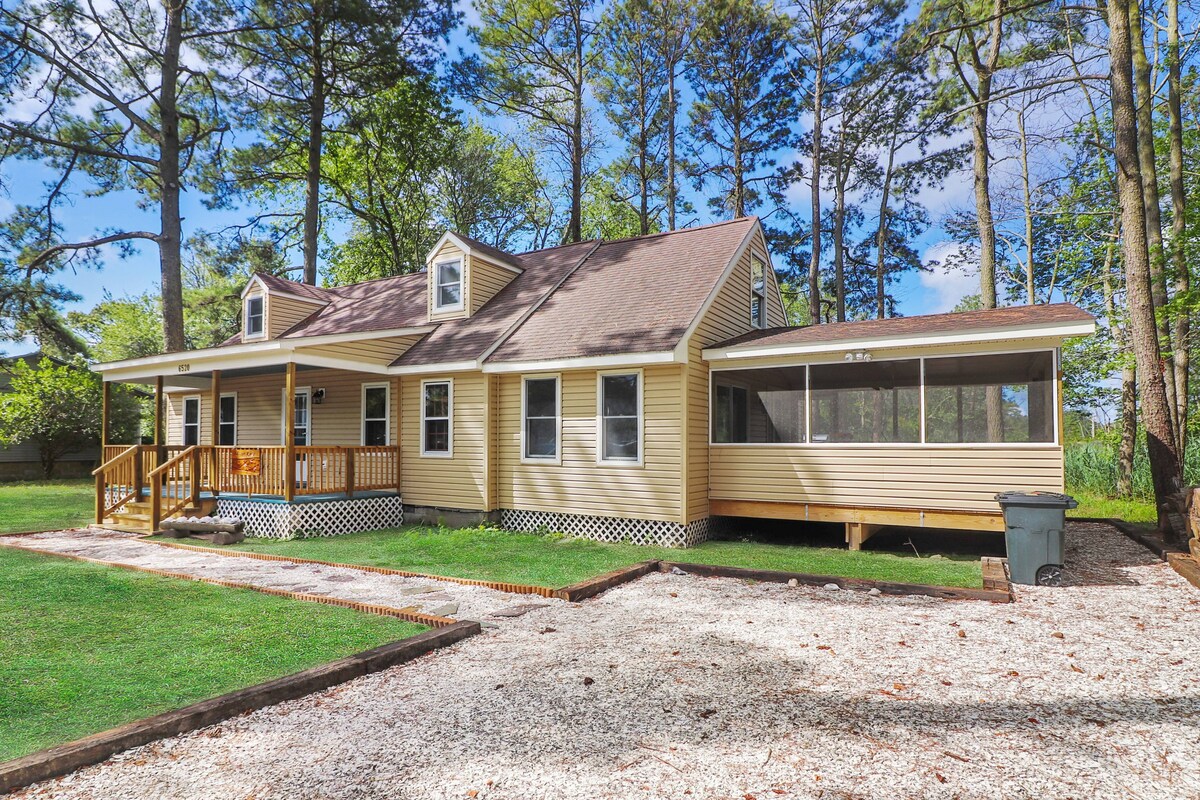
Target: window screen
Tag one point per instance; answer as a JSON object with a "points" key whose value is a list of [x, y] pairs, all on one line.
{"points": [[620, 408], [871, 401], [990, 398], [375, 416], [758, 405], [435, 418], [541, 418]]}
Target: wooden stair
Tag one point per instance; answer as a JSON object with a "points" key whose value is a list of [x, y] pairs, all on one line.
{"points": [[134, 516]]}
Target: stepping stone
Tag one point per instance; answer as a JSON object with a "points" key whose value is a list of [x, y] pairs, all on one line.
{"points": [[443, 611], [341, 578], [407, 590], [519, 610]]}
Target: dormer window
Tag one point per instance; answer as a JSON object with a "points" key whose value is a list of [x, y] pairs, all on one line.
{"points": [[254, 316], [758, 292], [447, 289]]}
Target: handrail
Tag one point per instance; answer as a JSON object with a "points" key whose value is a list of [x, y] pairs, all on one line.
{"points": [[172, 461], [183, 485], [112, 461]]}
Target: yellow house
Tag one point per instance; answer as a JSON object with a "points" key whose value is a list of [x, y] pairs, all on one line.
{"points": [[628, 390]]}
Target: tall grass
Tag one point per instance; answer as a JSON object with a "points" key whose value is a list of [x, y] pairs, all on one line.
{"points": [[1091, 466]]}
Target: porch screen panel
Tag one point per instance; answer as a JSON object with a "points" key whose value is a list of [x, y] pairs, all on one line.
{"points": [[866, 402], [1021, 386], [758, 405]]}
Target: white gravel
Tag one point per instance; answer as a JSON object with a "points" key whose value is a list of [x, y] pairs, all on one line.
{"points": [[397, 591], [678, 686]]}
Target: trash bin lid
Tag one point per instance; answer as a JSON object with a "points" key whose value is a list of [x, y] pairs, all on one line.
{"points": [[1049, 499]]}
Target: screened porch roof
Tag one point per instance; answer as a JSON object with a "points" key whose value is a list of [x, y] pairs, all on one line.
{"points": [[1054, 321]]}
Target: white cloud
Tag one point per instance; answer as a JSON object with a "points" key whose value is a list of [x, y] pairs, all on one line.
{"points": [[953, 273]]}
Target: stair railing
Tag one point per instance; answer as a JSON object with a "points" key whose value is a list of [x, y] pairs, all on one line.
{"points": [[174, 485], [118, 481]]}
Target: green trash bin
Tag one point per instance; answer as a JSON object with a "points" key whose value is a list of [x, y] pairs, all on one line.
{"points": [[1033, 535]]}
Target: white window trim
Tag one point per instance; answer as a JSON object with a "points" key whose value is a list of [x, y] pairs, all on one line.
{"points": [[199, 418], [234, 395], [449, 451], [462, 285], [1056, 410], [387, 412], [288, 420], [641, 417], [762, 297], [246, 335], [558, 439]]}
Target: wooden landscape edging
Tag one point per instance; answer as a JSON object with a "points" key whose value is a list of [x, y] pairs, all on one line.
{"points": [[862, 584], [1179, 560], [409, 614], [602, 583], [63, 759], [512, 588]]}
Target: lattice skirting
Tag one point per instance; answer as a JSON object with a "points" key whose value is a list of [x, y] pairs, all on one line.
{"points": [[608, 529], [306, 520]]}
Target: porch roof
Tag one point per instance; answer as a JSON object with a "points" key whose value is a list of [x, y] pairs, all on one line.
{"points": [[1052, 321]]}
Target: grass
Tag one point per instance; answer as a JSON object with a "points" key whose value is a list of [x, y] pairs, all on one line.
{"points": [[489, 554], [87, 647], [1095, 505], [46, 505]]}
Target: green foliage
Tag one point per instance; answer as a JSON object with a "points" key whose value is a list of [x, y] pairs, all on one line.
{"points": [[607, 214], [744, 104], [1091, 466], [57, 407], [46, 505]]}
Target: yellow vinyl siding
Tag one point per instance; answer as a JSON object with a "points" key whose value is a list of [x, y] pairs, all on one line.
{"points": [[728, 316], [459, 481], [336, 421], [447, 252], [905, 476], [484, 281], [579, 485], [284, 312]]}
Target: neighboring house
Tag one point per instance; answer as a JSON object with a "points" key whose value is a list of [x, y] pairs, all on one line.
{"points": [[24, 462], [626, 390]]}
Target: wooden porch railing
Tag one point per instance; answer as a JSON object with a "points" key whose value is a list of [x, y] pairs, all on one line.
{"points": [[187, 472], [118, 479], [175, 485]]}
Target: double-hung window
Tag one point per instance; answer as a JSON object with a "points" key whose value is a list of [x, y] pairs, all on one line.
{"points": [[254, 316], [447, 288], [227, 421], [375, 414], [620, 404], [758, 292], [437, 410], [191, 421], [540, 430]]}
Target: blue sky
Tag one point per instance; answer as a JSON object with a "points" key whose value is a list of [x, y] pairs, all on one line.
{"points": [[916, 294]]}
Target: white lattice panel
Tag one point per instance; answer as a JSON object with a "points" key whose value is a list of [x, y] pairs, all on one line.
{"points": [[608, 529], [307, 520]]}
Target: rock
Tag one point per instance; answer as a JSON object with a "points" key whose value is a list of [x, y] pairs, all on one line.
{"points": [[833, 587], [677, 571], [1057, 635], [874, 592], [518, 610], [588, 681], [443, 611], [793, 582]]}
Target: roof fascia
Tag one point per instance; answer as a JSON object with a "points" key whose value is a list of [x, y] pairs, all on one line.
{"points": [[443, 366], [1041, 331]]}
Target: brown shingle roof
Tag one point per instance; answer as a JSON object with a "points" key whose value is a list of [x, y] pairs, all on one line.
{"points": [[487, 251], [382, 304], [306, 290], [636, 295], [956, 322]]}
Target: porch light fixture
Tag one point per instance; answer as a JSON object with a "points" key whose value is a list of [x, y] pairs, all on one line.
{"points": [[318, 397], [858, 355]]}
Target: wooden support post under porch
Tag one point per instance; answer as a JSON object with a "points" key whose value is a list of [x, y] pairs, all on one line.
{"points": [[859, 532]]}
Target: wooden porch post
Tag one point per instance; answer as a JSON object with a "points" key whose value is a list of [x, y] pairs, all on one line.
{"points": [[289, 432], [214, 478], [105, 400], [159, 443]]}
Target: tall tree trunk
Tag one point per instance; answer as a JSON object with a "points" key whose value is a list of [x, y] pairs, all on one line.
{"points": [[672, 112], [1030, 292], [312, 169], [739, 177], [1183, 279], [1144, 96], [980, 163], [1127, 446], [839, 229], [575, 225], [1143, 334], [170, 242], [814, 263], [881, 232]]}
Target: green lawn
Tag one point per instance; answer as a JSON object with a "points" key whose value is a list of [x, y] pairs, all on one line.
{"points": [[1093, 505], [46, 505], [87, 647], [489, 554]]}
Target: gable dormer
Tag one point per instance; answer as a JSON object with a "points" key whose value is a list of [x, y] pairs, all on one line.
{"points": [[270, 306], [464, 275]]}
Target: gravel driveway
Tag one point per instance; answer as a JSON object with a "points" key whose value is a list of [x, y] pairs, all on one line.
{"points": [[678, 686]]}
